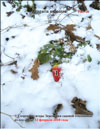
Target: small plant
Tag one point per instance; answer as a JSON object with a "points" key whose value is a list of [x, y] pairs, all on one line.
{"points": [[18, 4], [53, 52], [83, 44], [29, 8]]}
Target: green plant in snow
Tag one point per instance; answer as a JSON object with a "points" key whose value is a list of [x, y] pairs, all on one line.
{"points": [[54, 53], [18, 4], [29, 8], [83, 44]]}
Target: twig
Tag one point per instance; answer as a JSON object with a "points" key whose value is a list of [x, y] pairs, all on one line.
{"points": [[58, 17], [11, 27], [66, 6], [67, 14], [11, 118], [7, 55], [9, 63]]}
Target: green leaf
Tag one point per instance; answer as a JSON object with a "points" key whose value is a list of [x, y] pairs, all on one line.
{"points": [[69, 55], [4, 4], [44, 57], [98, 62], [16, 3], [84, 44], [19, 8], [28, 7], [89, 58]]}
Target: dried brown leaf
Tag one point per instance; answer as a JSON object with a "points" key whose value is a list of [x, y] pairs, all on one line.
{"points": [[97, 36], [30, 118], [23, 70], [34, 70], [89, 27], [57, 109], [9, 13], [82, 6], [72, 48], [12, 71], [69, 28], [54, 28], [95, 5], [98, 46], [80, 106], [12, 63]]}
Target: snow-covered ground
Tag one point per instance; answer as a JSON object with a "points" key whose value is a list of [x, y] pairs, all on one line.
{"points": [[38, 97]]}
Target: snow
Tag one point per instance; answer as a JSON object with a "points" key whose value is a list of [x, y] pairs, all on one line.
{"points": [[38, 97], [95, 26]]}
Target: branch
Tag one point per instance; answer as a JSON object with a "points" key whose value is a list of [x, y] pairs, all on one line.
{"points": [[14, 26], [68, 14], [12, 119]]}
